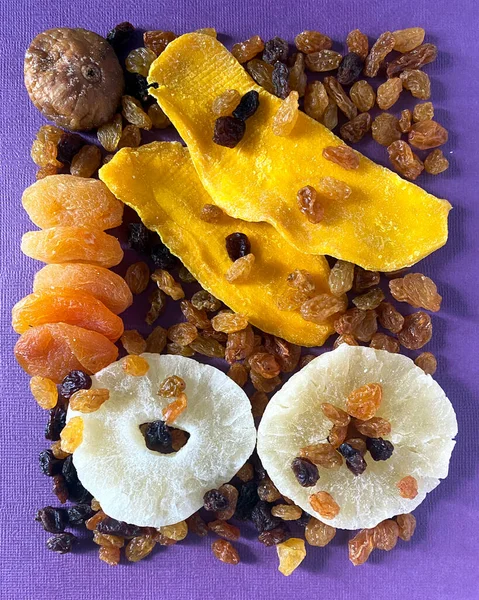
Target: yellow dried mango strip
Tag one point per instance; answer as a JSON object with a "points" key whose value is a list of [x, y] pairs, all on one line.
{"points": [[386, 224], [159, 182]]}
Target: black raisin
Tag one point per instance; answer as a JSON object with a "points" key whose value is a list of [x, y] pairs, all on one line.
{"points": [[138, 237], [247, 106], [237, 245], [49, 464], [68, 146], [162, 257], [56, 422], [229, 131], [61, 543], [379, 449], [60, 488], [275, 536], [305, 472], [137, 86], [354, 459], [113, 527], [76, 491], [275, 49], [157, 436], [303, 519], [247, 499], [262, 518], [259, 470], [350, 68], [281, 80], [120, 34], [74, 381], [79, 513], [53, 520], [214, 501]]}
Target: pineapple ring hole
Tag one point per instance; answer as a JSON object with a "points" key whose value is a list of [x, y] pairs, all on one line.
{"points": [[171, 448]]}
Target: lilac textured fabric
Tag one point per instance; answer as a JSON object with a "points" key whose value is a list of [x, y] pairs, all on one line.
{"points": [[441, 560]]}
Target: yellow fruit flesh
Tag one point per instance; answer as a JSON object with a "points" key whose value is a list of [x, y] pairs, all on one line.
{"points": [[386, 224], [159, 181]]}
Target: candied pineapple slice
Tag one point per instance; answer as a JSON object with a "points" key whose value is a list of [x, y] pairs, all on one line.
{"points": [[159, 181], [386, 223]]}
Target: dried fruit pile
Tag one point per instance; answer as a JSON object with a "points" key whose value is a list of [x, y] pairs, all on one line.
{"points": [[279, 297]]}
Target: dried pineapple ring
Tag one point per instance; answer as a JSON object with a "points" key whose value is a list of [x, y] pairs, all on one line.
{"points": [[423, 427], [144, 487], [385, 224]]}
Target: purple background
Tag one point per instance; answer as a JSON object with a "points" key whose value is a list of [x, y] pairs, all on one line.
{"points": [[441, 560]]}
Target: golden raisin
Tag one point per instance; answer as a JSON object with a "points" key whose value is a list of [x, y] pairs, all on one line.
{"points": [[407, 525], [137, 277], [109, 555], [93, 522], [175, 408], [44, 391], [318, 533], [182, 333], [334, 188], [238, 373], [337, 435], [108, 541], [134, 365], [229, 322], [362, 95], [385, 535], [335, 414], [427, 362], [341, 277], [225, 552], [406, 40], [245, 51], [286, 512], [322, 455], [176, 532], [436, 162], [139, 547], [86, 161], [375, 427], [364, 402], [324, 504], [246, 473], [342, 155], [407, 487], [133, 342], [158, 118], [309, 204], [358, 43], [309, 41], [360, 547], [285, 118], [322, 306], [72, 435], [240, 269], [167, 284], [156, 341], [57, 451], [172, 386], [87, 401], [225, 104], [134, 113], [259, 401], [158, 40]]}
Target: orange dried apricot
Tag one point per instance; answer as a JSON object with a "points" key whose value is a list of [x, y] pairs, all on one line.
{"points": [[72, 244], [63, 305], [71, 200], [104, 285], [55, 349]]}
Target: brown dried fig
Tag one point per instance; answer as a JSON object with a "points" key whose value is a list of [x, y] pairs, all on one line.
{"points": [[73, 77]]}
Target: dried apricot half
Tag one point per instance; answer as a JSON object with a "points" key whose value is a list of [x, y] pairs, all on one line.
{"points": [[69, 200], [63, 305], [104, 285], [72, 244], [56, 349]]}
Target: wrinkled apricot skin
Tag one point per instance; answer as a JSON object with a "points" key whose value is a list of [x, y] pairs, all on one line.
{"points": [[72, 244], [386, 223], [55, 349], [104, 285], [69, 200], [62, 305], [159, 182]]}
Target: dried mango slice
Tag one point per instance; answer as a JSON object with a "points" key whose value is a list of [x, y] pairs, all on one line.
{"points": [[385, 224], [55, 349], [159, 181], [64, 305]]}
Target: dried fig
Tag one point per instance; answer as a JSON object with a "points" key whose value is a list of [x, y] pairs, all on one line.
{"points": [[73, 77]]}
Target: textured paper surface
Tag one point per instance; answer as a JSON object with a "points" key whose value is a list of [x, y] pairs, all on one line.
{"points": [[441, 560]]}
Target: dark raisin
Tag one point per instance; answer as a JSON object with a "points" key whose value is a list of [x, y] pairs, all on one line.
{"points": [[61, 543], [76, 491], [68, 146], [303, 519], [259, 470], [60, 488], [162, 257], [275, 536], [229, 131], [262, 518], [120, 34], [137, 86], [53, 520], [157, 436], [56, 422], [113, 527], [248, 106], [237, 245], [379, 449], [354, 459], [49, 464], [247, 499], [79, 513], [281, 80], [138, 237], [74, 381], [214, 501], [305, 472], [274, 50], [350, 68]]}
